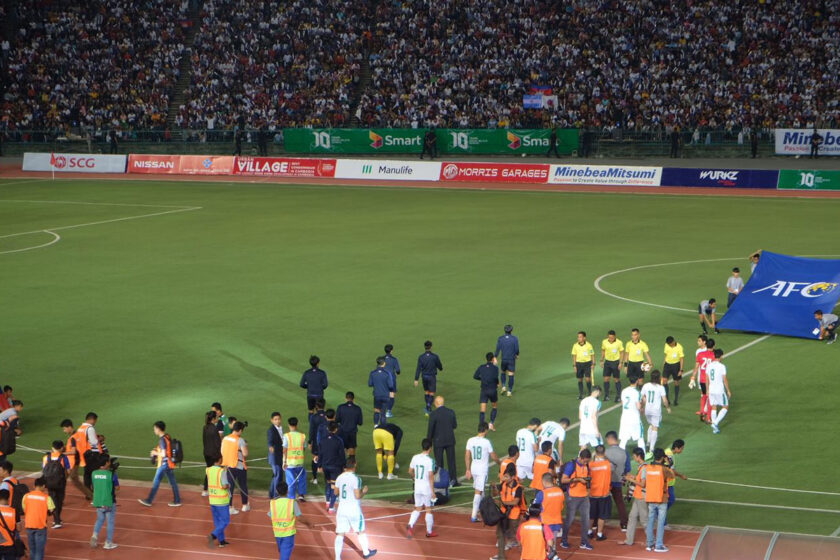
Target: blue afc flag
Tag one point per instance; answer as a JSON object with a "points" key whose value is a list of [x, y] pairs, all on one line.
{"points": [[782, 295]]}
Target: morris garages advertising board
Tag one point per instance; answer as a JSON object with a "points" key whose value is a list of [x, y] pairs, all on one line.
{"points": [[180, 165], [494, 172], [727, 178], [622, 175], [73, 163], [387, 169], [284, 167], [797, 141]]}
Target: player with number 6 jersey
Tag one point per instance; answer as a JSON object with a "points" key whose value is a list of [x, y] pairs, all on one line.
{"points": [[349, 489]]}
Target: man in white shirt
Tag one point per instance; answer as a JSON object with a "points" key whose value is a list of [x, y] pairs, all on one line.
{"points": [[719, 393], [526, 441], [422, 471], [630, 426], [590, 434], [555, 432], [477, 458], [348, 487], [653, 397]]}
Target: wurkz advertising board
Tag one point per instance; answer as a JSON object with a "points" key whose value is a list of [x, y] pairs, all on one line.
{"points": [[725, 178]]}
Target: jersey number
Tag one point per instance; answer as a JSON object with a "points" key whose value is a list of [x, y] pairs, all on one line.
{"points": [[419, 472], [522, 444], [651, 395], [476, 451], [712, 374], [626, 403], [343, 492]]}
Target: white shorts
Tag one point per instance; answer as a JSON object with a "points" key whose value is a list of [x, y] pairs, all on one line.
{"points": [[422, 499], [348, 522], [479, 480], [718, 399], [525, 471], [654, 419], [630, 431], [589, 439]]}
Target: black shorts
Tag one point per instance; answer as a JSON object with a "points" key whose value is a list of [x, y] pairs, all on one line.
{"points": [[310, 401], [611, 369], [381, 403], [634, 371], [671, 370], [508, 365], [348, 439], [430, 384], [600, 508], [331, 474], [583, 369], [488, 395], [702, 388]]}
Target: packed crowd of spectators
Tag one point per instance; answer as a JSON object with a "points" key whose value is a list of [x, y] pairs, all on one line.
{"points": [[626, 65], [275, 63], [95, 64], [640, 64]]}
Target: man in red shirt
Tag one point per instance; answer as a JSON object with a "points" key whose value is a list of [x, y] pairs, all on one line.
{"points": [[705, 356]]}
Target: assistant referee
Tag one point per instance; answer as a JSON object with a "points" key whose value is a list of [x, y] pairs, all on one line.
{"points": [[583, 360]]}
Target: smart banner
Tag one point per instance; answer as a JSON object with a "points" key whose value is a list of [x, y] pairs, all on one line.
{"points": [[782, 294], [797, 141], [809, 180], [386, 169], [726, 178], [622, 175], [73, 163], [410, 141], [494, 172], [284, 167]]}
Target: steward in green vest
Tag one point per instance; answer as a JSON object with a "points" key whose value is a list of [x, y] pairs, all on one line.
{"points": [[218, 490]]}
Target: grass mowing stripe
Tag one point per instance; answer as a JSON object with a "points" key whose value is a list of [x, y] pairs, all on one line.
{"points": [[765, 487], [766, 506]]}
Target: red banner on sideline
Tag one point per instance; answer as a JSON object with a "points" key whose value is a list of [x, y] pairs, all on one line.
{"points": [[284, 167], [206, 165], [494, 172]]}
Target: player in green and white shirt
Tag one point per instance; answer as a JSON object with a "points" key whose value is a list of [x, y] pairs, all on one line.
{"points": [[422, 471], [477, 458], [630, 425], [526, 441], [653, 397], [349, 489], [589, 433], [555, 432]]}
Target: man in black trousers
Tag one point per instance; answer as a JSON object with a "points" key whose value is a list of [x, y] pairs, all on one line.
{"points": [[442, 425]]}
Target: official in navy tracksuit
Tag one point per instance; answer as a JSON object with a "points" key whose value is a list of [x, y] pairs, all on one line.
{"points": [[428, 364], [383, 389], [508, 347], [314, 380], [392, 364], [349, 418], [316, 420], [332, 461]]}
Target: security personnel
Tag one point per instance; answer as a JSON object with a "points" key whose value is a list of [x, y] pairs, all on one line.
{"points": [[36, 506], [219, 495], [512, 496], [71, 450], [600, 504], [284, 511], [294, 443], [428, 364], [583, 360], [508, 347], [654, 479], [534, 537], [488, 375], [234, 453], [7, 527], [87, 444], [553, 500], [383, 388], [543, 463], [513, 455], [314, 380]]}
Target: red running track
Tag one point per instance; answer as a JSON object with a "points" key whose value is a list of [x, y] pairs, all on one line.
{"points": [[181, 534]]}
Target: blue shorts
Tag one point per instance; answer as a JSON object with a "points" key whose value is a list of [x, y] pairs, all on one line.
{"points": [[556, 529], [430, 384], [381, 403], [509, 365], [489, 395]]}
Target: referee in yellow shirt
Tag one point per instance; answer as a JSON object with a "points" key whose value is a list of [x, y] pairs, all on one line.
{"points": [[583, 358], [636, 353], [673, 368], [612, 351]]}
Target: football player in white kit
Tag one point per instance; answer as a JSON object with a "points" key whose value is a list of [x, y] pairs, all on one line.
{"points": [[349, 489], [630, 426], [653, 397], [719, 393], [555, 432], [422, 471], [526, 441], [590, 434], [477, 458]]}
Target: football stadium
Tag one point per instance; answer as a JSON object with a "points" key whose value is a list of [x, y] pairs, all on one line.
{"points": [[451, 280]]}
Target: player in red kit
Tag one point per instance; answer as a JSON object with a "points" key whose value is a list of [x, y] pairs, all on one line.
{"points": [[705, 356]]}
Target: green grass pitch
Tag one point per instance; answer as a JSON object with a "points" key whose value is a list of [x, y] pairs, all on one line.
{"points": [[156, 317]]}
